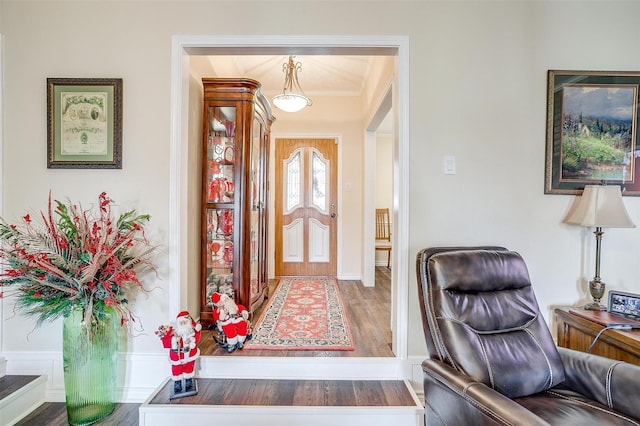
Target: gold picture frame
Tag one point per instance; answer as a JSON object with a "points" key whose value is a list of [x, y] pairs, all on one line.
{"points": [[84, 125], [591, 131]]}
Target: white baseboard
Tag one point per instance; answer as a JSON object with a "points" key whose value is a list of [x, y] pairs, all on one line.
{"points": [[352, 277]]}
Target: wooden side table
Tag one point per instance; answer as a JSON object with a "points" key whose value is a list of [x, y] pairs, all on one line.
{"points": [[577, 328]]}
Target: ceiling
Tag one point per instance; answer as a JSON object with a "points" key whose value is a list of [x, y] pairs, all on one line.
{"points": [[320, 75]]}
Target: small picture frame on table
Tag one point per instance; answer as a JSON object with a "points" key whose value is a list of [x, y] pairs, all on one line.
{"points": [[84, 123], [592, 134]]}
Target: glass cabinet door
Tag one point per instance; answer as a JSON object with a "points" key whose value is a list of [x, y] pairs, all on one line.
{"points": [[255, 177], [221, 155], [219, 252], [220, 195]]}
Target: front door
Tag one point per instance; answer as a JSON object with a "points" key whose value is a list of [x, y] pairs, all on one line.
{"points": [[305, 207]]}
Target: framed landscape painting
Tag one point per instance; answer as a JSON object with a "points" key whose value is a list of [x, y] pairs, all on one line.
{"points": [[84, 123], [592, 132]]}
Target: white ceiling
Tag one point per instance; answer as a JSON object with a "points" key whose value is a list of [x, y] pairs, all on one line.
{"points": [[320, 75]]}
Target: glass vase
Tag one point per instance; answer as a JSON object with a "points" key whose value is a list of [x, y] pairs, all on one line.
{"points": [[89, 360]]}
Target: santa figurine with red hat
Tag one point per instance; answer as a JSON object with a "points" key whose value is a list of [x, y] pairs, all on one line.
{"points": [[231, 319], [182, 341]]}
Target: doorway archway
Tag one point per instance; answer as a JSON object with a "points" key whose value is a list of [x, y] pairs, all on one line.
{"points": [[185, 46]]}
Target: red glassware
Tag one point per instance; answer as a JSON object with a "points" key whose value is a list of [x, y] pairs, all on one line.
{"points": [[228, 254], [215, 248], [214, 190], [225, 222]]}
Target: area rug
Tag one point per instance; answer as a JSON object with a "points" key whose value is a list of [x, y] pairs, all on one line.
{"points": [[303, 314]]}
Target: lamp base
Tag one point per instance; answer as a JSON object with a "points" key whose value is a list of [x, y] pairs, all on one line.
{"points": [[593, 306], [596, 289]]}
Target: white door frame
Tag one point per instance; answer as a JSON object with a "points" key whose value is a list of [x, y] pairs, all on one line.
{"points": [[184, 46], [2, 362], [369, 249]]}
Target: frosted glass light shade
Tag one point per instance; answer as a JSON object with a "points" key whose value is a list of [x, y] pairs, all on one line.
{"points": [[601, 206], [290, 102]]}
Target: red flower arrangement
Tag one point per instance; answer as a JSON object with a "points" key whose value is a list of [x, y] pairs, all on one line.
{"points": [[83, 259]]}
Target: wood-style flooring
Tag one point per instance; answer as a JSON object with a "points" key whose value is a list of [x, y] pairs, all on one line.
{"points": [[306, 393], [55, 414], [251, 392], [368, 311]]}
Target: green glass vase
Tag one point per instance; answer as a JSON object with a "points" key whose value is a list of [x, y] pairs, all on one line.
{"points": [[90, 360]]}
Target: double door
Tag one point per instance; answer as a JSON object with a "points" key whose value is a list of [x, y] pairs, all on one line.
{"points": [[305, 207]]}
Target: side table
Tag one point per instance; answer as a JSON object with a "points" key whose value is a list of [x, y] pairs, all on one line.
{"points": [[577, 328]]}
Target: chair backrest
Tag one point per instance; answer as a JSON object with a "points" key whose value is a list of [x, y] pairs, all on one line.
{"points": [[383, 225], [481, 317]]}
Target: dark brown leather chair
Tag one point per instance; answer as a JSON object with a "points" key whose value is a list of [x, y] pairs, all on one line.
{"points": [[492, 360]]}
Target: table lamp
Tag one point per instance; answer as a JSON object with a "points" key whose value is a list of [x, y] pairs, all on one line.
{"points": [[600, 206]]}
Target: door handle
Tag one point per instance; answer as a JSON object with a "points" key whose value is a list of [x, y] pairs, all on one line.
{"points": [[333, 215]]}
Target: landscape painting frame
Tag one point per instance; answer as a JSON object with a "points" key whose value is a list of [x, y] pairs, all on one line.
{"points": [[592, 135]]}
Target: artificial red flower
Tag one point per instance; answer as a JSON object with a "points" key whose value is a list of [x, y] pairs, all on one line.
{"points": [[61, 266]]}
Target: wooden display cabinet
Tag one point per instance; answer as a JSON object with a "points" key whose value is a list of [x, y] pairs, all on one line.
{"points": [[237, 121]]}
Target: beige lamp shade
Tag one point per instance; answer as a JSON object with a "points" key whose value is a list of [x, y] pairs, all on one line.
{"points": [[601, 206]]}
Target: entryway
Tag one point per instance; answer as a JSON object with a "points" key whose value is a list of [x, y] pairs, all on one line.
{"points": [[368, 311]]}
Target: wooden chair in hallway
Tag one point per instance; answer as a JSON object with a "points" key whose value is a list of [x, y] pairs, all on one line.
{"points": [[383, 233]]}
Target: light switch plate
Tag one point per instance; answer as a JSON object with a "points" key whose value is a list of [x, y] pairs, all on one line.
{"points": [[449, 165]]}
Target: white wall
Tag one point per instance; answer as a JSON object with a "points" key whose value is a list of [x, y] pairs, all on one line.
{"points": [[478, 91]]}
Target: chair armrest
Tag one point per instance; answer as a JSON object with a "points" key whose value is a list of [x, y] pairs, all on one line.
{"points": [[454, 399], [613, 383]]}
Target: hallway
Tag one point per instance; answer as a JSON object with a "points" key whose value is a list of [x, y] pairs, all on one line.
{"points": [[368, 310]]}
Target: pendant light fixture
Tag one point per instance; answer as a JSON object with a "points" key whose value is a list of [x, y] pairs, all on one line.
{"points": [[292, 98]]}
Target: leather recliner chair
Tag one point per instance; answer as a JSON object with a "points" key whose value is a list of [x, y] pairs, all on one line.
{"points": [[492, 359]]}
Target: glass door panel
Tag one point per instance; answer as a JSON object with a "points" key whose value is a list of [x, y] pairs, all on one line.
{"points": [[255, 185], [221, 156], [219, 253]]}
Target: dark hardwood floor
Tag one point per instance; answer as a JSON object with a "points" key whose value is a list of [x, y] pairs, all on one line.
{"points": [[306, 393], [369, 313], [253, 392], [55, 414]]}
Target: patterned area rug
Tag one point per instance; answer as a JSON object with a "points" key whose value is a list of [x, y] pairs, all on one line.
{"points": [[303, 314]]}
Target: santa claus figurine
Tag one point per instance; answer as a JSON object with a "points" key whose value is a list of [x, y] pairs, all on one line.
{"points": [[231, 319], [182, 341]]}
